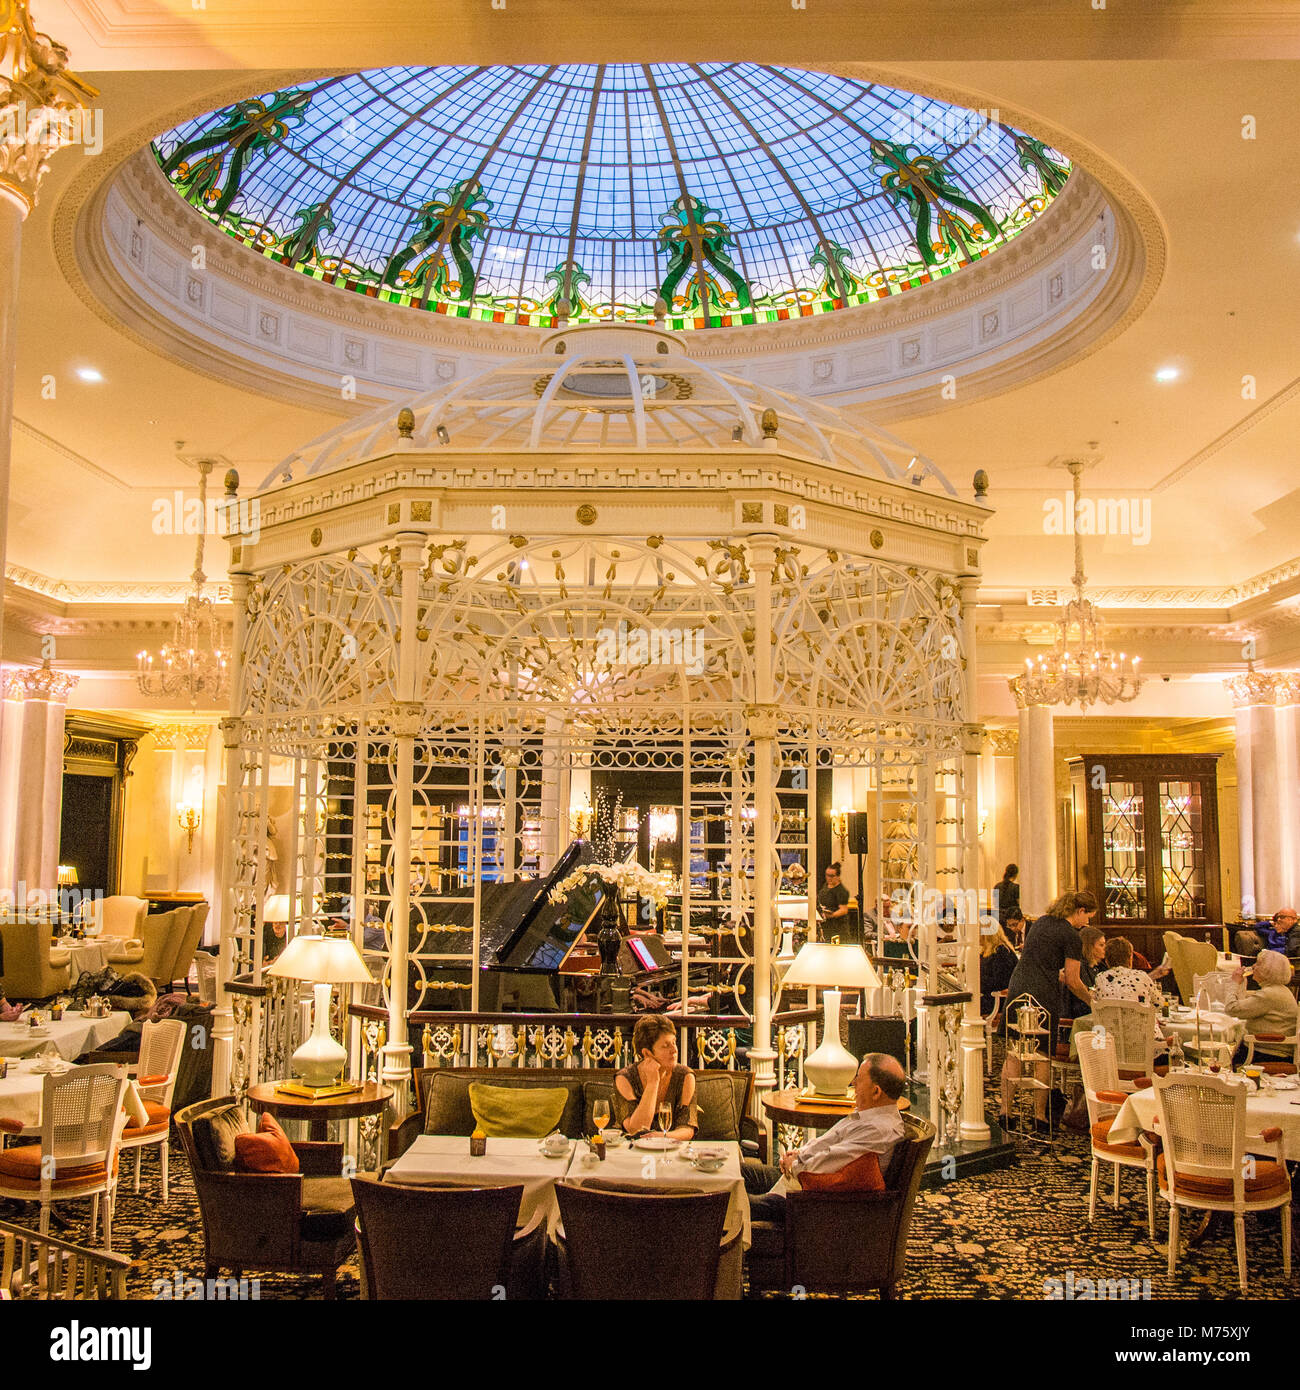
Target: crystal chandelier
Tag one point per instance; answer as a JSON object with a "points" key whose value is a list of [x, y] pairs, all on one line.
{"points": [[1080, 666], [194, 662]]}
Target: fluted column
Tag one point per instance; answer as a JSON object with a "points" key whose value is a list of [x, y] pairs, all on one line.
{"points": [[31, 767], [1288, 717], [1037, 806], [999, 809], [1269, 817]]}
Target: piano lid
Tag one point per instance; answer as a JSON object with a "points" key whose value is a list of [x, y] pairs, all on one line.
{"points": [[529, 932]]}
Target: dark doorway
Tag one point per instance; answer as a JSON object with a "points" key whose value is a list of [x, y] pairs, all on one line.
{"points": [[86, 832]]}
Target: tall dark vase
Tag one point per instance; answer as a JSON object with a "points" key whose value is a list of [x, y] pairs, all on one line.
{"points": [[609, 938]]}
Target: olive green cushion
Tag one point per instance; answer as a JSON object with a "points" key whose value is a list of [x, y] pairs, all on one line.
{"points": [[507, 1112]]}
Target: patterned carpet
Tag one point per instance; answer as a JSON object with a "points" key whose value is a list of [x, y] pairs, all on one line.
{"points": [[996, 1235]]}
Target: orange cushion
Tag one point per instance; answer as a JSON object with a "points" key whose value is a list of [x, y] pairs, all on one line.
{"points": [[159, 1119], [1270, 1180], [862, 1175], [151, 1080], [1278, 1068], [267, 1151], [21, 1168], [1100, 1141]]}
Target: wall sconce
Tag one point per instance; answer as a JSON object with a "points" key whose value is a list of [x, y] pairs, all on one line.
{"points": [[188, 817], [580, 820], [984, 821], [840, 828]]}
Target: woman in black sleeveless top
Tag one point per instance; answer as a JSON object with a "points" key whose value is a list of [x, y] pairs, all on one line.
{"points": [[654, 1079]]}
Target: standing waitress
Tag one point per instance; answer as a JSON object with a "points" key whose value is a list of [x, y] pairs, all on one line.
{"points": [[1053, 954]]}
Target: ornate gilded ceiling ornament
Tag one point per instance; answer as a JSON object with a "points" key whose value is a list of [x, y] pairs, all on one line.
{"points": [[586, 514], [42, 105]]}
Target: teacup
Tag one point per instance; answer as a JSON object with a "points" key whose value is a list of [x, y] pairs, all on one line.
{"points": [[708, 1160], [613, 1136]]}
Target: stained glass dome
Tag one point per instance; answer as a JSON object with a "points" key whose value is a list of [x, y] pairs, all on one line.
{"points": [[735, 193]]}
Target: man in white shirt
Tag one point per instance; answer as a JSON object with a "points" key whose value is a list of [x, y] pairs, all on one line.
{"points": [[874, 1126]]}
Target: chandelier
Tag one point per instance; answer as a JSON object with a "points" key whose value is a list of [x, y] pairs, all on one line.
{"points": [[194, 662], [1080, 666]]}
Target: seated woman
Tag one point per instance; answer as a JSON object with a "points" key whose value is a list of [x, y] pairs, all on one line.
{"points": [[997, 963], [1119, 980], [655, 1079], [1092, 942], [1270, 1009]]}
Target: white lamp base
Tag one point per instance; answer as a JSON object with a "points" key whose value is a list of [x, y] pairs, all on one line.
{"points": [[832, 1067], [320, 1060]]}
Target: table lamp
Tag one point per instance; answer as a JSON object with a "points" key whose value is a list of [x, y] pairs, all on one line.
{"points": [[325, 961], [832, 1067]]}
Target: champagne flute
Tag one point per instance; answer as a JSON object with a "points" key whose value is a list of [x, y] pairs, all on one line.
{"points": [[665, 1116], [600, 1115]]}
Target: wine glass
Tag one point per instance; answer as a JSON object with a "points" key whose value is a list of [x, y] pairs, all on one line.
{"points": [[600, 1114], [665, 1116]]}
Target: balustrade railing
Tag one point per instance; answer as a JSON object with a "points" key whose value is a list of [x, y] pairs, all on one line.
{"points": [[710, 1042]]}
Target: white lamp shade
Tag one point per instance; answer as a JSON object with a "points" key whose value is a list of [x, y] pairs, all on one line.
{"points": [[332, 960], [837, 967], [277, 908]]}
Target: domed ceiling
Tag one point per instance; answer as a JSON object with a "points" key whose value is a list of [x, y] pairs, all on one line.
{"points": [[737, 194]]}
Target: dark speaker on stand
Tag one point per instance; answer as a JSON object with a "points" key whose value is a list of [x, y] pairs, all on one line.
{"points": [[878, 1035]]}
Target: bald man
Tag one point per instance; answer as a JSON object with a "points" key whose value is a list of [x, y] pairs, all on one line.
{"points": [[874, 1126], [1278, 935]]}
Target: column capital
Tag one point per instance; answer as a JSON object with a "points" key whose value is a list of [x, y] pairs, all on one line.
{"points": [[1263, 688], [42, 105], [41, 682], [1003, 738], [762, 720]]}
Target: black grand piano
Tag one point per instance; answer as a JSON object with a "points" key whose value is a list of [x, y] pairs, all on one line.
{"points": [[534, 955]]}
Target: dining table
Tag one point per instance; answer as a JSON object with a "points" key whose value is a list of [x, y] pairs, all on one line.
{"points": [[23, 1085], [1263, 1109], [651, 1168], [438, 1158], [71, 1035]]}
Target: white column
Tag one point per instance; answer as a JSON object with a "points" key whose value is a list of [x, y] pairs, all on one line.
{"points": [[12, 213], [762, 720], [973, 1125], [11, 742], [41, 104], [1244, 719], [234, 835], [39, 777], [1288, 717], [1037, 798], [395, 1070], [1266, 809]]}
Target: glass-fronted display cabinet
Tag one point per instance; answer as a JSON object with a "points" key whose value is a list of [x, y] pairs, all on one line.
{"points": [[1146, 837]]}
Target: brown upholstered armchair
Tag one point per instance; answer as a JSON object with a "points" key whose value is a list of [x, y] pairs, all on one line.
{"points": [[297, 1223], [845, 1242]]}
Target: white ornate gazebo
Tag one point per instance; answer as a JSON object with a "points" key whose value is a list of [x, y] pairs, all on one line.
{"points": [[601, 556]]}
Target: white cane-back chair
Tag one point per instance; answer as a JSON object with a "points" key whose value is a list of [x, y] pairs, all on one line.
{"points": [[1133, 1027], [1105, 1093], [80, 1131], [1208, 1161], [160, 1056]]}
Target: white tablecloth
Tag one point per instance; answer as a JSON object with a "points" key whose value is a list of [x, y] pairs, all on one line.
{"points": [[435, 1158], [20, 1097], [71, 1035], [85, 958], [1139, 1112], [645, 1168], [1215, 1027]]}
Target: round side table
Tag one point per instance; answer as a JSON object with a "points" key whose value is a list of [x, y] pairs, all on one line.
{"points": [[369, 1100]]}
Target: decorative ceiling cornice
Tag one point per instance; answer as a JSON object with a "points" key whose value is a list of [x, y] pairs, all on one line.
{"points": [[111, 591]]}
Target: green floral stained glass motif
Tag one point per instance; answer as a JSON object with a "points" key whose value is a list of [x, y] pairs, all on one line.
{"points": [[740, 194]]}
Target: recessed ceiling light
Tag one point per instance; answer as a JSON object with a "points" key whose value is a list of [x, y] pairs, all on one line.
{"points": [[89, 374], [1168, 374]]}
